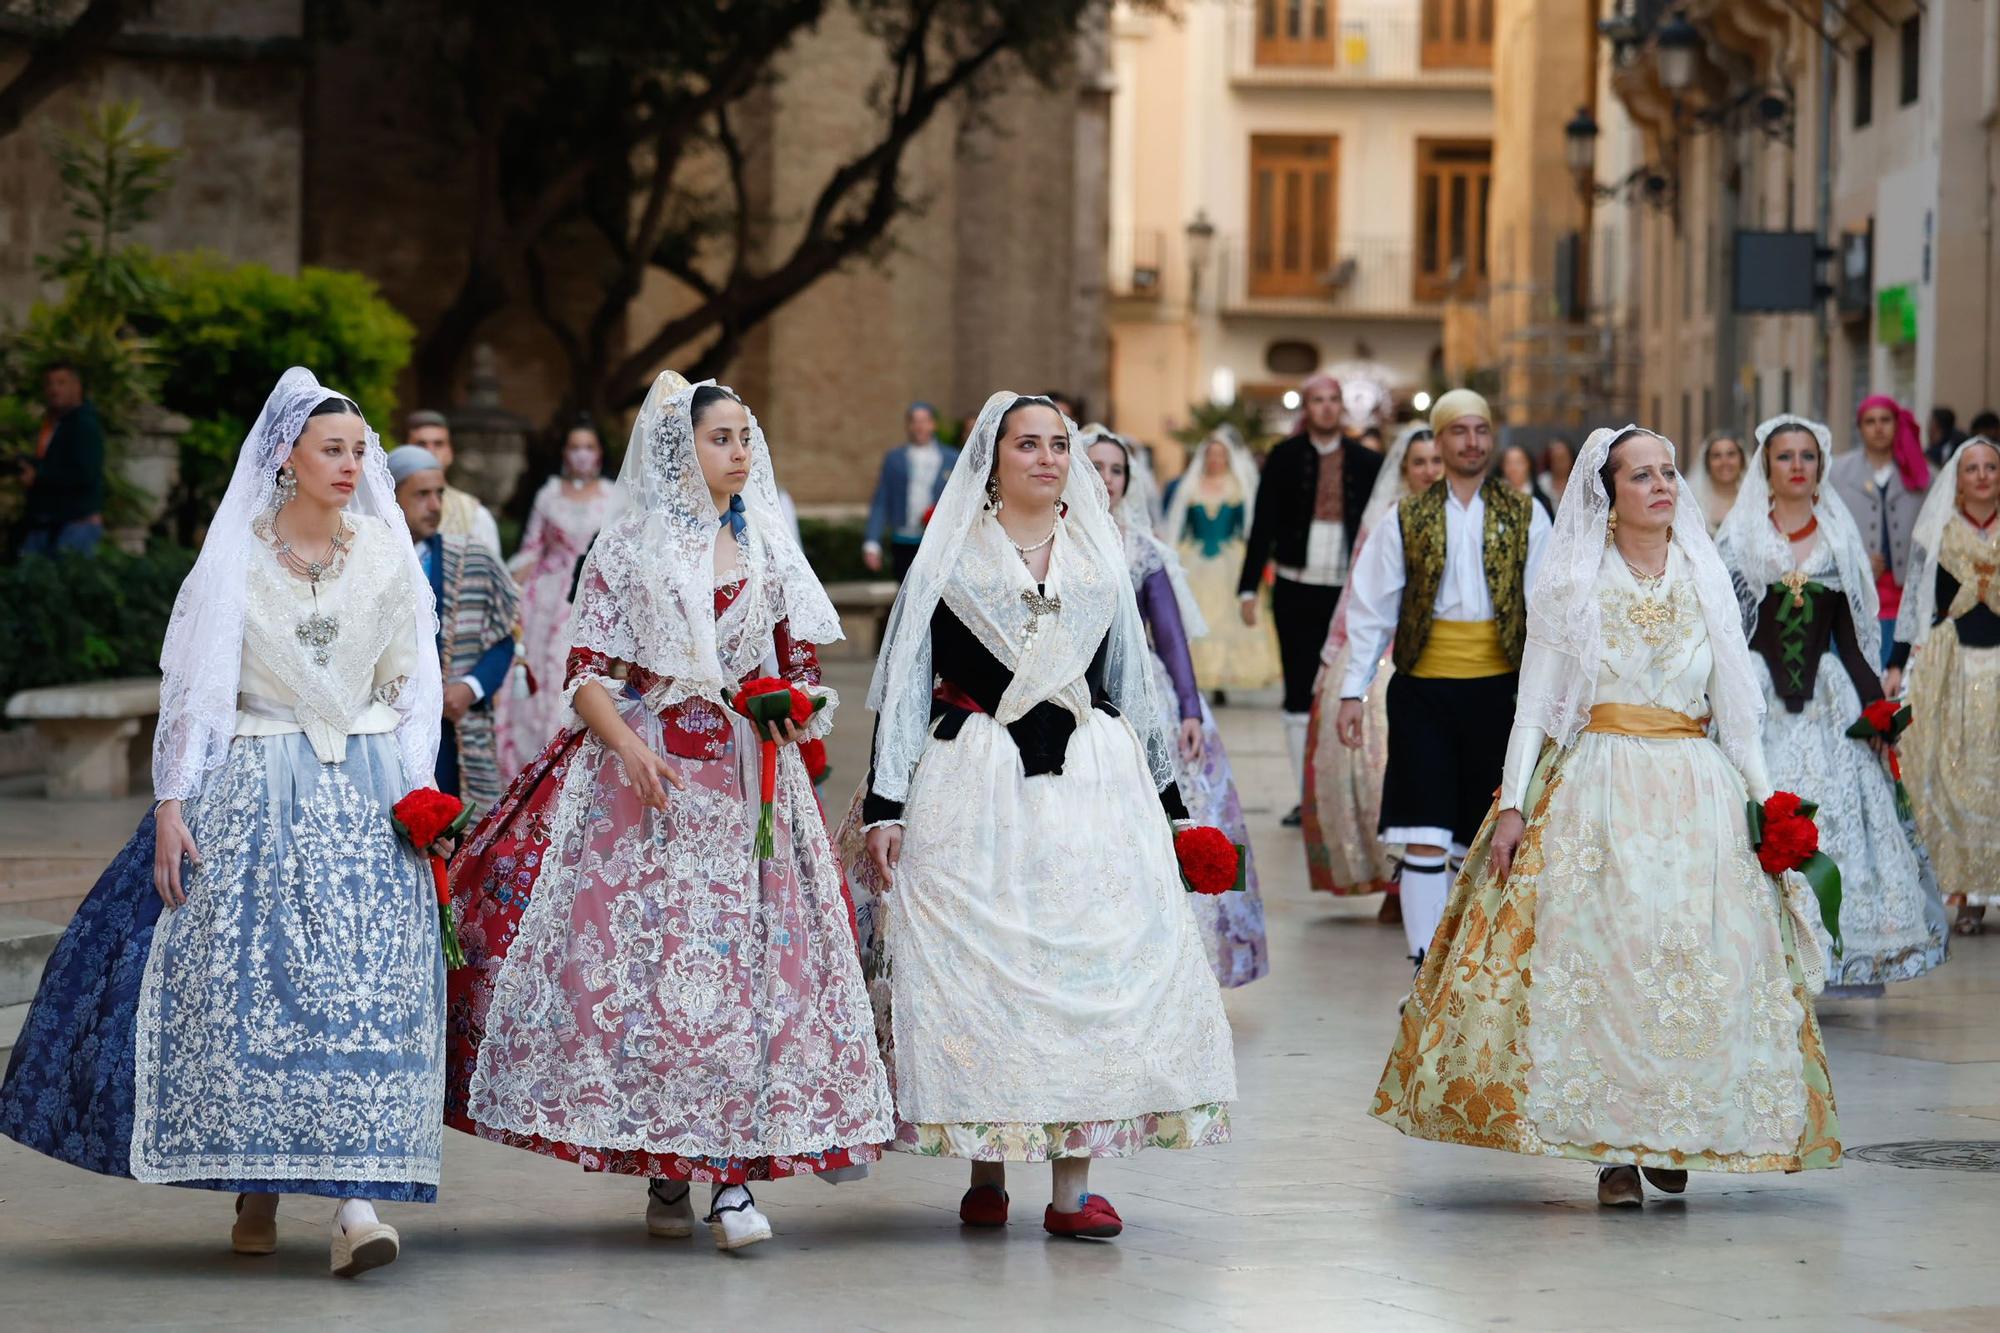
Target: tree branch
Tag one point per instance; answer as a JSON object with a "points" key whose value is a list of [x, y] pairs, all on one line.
{"points": [[53, 61], [826, 242]]}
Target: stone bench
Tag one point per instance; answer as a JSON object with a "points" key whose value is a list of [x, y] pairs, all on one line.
{"points": [[89, 731], [863, 606]]}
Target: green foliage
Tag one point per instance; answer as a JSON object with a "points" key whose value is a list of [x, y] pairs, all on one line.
{"points": [[1205, 417], [111, 172], [833, 549], [78, 618], [230, 330]]}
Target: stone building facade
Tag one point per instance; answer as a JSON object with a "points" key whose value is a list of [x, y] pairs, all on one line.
{"points": [[327, 152], [1295, 184], [222, 80], [1889, 158]]}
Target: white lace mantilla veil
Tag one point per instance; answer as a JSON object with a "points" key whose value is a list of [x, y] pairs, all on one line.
{"points": [[1919, 608], [1564, 651], [201, 657], [1389, 491], [1758, 553], [1241, 466], [967, 562], [1145, 552], [647, 592]]}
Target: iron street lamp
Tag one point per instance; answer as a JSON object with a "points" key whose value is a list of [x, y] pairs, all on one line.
{"points": [[1201, 248], [1675, 47]]}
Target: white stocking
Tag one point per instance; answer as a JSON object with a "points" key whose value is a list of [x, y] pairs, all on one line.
{"points": [[354, 1213], [1426, 884], [1295, 745]]}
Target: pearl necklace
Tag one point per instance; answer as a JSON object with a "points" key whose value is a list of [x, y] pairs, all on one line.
{"points": [[1025, 551]]}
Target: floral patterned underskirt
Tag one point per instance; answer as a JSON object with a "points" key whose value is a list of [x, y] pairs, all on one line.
{"points": [[1197, 1127]]}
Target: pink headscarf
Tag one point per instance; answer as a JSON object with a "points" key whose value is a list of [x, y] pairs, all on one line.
{"points": [[1322, 379], [1909, 447]]}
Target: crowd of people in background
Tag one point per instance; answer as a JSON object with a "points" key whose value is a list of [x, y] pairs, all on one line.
{"points": [[1494, 669]]}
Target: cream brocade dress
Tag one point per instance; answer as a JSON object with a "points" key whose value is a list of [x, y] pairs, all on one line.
{"points": [[1637, 991], [1949, 753]]}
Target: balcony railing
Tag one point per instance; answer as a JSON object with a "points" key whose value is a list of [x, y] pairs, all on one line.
{"points": [[1369, 277], [1137, 262], [1367, 44]]}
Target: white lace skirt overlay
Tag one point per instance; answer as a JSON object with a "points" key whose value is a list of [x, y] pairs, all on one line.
{"points": [[1661, 1012], [291, 1018], [1045, 964], [1892, 918], [670, 993]]}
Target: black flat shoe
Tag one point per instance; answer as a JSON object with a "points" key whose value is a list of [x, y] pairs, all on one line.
{"points": [[1294, 819]]}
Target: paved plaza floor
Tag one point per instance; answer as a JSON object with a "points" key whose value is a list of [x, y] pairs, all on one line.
{"points": [[1316, 1217]]}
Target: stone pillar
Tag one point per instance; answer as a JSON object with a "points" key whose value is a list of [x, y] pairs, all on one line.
{"points": [[151, 461], [489, 443]]}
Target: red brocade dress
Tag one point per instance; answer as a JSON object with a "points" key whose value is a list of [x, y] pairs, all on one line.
{"points": [[644, 995]]}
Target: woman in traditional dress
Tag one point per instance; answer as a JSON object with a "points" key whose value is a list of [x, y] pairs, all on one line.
{"points": [[1718, 473], [1232, 923], [1046, 989], [1343, 793], [1516, 467], [1558, 458], [278, 1027], [1948, 634], [1207, 524], [1808, 597], [1616, 979], [646, 994], [569, 510]]}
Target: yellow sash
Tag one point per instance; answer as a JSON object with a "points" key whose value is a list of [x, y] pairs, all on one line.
{"points": [[1463, 650], [1653, 724]]}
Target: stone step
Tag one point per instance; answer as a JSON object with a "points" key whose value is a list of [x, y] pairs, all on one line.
{"points": [[25, 946], [48, 888], [11, 1018]]}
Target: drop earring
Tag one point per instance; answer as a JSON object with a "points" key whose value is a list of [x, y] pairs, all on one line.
{"points": [[1610, 527], [288, 487]]}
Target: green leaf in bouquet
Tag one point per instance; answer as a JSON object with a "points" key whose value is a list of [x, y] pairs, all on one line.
{"points": [[1823, 876]]}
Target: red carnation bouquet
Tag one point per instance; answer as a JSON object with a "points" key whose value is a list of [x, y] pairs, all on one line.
{"points": [[768, 701], [1210, 862], [425, 816], [1784, 837], [1887, 721]]}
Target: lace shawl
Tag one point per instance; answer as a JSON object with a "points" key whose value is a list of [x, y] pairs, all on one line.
{"points": [[202, 656]]}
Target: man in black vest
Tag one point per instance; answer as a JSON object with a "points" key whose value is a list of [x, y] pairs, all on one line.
{"points": [[1309, 504]]}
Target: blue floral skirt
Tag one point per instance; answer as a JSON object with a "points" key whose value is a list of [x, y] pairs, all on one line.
{"points": [[286, 1034]]}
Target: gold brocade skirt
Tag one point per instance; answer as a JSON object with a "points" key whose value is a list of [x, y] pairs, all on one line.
{"points": [[1663, 1040], [1951, 764], [1342, 804]]}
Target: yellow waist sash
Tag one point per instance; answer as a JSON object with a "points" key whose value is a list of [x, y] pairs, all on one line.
{"points": [[1463, 650], [1653, 724]]}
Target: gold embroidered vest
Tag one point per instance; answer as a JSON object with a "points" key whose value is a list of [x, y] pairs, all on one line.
{"points": [[1504, 538]]}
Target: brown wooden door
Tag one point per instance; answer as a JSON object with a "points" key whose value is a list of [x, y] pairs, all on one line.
{"points": [[1292, 208], [1458, 34], [1454, 185], [1295, 32]]}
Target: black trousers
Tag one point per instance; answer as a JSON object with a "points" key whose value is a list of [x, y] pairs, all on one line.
{"points": [[1302, 612], [1447, 745], [901, 556]]}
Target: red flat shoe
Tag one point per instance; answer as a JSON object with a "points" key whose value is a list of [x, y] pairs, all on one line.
{"points": [[1096, 1220], [983, 1206]]}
